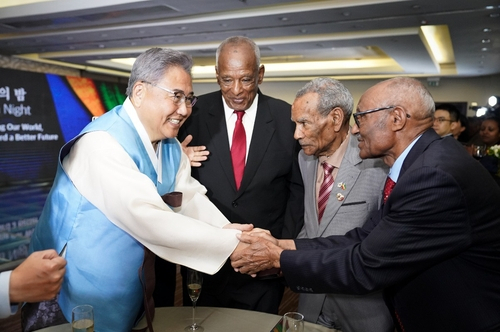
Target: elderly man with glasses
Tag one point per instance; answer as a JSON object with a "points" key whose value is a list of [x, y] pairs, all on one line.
{"points": [[123, 191]]}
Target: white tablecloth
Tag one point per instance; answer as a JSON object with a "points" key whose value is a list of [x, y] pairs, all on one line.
{"points": [[173, 319]]}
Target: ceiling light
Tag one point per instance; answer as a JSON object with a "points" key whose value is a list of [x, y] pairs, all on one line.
{"points": [[493, 101], [283, 18], [485, 41], [481, 111], [484, 49], [494, 15], [10, 3], [437, 40]]}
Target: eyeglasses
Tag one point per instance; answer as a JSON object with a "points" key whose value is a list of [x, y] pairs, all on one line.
{"points": [[357, 115], [179, 97], [441, 120]]}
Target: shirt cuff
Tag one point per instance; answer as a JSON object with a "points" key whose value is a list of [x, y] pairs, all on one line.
{"points": [[5, 308]]}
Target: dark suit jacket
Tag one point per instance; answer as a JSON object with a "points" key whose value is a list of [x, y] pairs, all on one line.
{"points": [[271, 194], [434, 247]]}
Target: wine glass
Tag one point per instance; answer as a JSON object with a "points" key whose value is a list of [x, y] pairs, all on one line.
{"points": [[194, 281], [478, 151]]}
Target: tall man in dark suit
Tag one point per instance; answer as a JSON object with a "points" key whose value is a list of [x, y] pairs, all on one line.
{"points": [[435, 245], [269, 194]]}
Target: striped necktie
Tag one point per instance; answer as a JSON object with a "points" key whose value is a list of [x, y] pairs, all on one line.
{"points": [[325, 189]]}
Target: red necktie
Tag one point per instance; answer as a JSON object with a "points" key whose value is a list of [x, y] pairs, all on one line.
{"points": [[239, 149], [325, 189], [389, 185]]}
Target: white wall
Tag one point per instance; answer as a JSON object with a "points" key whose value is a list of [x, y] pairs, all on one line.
{"points": [[469, 89]]}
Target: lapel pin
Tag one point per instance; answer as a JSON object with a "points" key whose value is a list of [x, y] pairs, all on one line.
{"points": [[340, 197], [341, 185]]}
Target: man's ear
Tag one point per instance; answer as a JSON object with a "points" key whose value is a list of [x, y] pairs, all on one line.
{"points": [[398, 118], [138, 93], [337, 117], [261, 74]]}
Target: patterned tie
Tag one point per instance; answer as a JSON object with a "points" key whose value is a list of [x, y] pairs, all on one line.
{"points": [[325, 189], [239, 149], [389, 185]]}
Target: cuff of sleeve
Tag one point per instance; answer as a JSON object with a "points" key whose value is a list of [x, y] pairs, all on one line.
{"points": [[5, 308]]}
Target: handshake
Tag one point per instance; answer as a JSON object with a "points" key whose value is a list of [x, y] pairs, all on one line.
{"points": [[258, 251]]}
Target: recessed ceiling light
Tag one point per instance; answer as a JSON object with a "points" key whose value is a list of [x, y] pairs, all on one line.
{"points": [[101, 46], [283, 18], [486, 30], [223, 25], [484, 49], [494, 15], [490, 7], [485, 41], [346, 13], [303, 30]]}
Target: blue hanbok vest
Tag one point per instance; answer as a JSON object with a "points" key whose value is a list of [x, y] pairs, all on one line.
{"points": [[102, 260]]}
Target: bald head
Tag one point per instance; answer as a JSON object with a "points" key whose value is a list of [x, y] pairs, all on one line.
{"points": [[400, 110]]}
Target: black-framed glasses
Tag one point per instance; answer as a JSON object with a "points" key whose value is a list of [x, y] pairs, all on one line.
{"points": [[357, 115], [178, 96]]}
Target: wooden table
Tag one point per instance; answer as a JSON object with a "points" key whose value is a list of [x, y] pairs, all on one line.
{"points": [[173, 319]]}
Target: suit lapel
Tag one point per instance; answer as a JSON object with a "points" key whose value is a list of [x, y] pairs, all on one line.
{"points": [[420, 146], [217, 129], [346, 178], [309, 169], [262, 133]]}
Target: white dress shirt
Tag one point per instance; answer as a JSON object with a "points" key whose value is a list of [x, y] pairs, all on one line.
{"points": [[248, 121]]}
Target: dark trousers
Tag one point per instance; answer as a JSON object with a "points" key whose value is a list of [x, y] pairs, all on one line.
{"points": [[164, 293]]}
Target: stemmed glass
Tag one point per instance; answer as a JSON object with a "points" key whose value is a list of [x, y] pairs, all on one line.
{"points": [[194, 281]]}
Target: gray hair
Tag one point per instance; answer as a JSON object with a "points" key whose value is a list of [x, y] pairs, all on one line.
{"points": [[151, 65], [412, 94], [238, 40], [331, 94]]}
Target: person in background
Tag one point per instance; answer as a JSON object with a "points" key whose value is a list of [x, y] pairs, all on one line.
{"points": [[39, 277], [489, 132], [446, 119], [433, 247], [123, 191], [262, 183], [321, 112], [460, 132]]}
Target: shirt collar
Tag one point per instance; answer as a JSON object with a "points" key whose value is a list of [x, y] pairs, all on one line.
{"points": [[336, 158], [154, 156], [252, 109], [396, 168]]}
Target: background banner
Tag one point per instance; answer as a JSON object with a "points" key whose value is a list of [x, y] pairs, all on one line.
{"points": [[39, 113]]}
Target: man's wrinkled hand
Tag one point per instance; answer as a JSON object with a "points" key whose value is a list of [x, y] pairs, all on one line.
{"points": [[196, 154], [258, 254], [264, 234]]}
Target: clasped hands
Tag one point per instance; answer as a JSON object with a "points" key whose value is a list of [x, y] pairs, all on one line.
{"points": [[258, 250]]}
